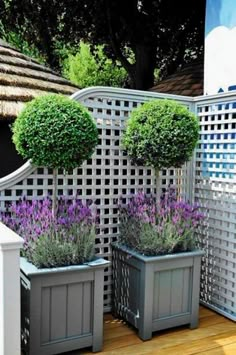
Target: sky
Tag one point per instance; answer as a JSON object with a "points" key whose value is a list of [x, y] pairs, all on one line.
{"points": [[220, 13]]}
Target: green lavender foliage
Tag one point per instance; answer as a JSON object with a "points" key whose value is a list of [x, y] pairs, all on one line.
{"points": [[66, 239], [170, 227], [57, 250]]}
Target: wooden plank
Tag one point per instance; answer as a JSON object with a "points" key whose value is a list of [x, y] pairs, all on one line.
{"points": [[229, 349], [120, 343], [58, 312], [87, 307], [45, 330], [146, 301], [75, 309], [177, 278], [186, 281], [134, 281], [205, 312], [210, 320], [164, 286], [108, 325], [160, 343], [97, 310], [216, 335], [195, 292], [209, 345], [118, 332]]}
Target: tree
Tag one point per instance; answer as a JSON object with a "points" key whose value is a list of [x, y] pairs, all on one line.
{"points": [[93, 69], [57, 132], [162, 34], [161, 134], [17, 40]]}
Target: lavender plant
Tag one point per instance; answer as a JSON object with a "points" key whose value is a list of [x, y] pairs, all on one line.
{"points": [[66, 239], [152, 230]]}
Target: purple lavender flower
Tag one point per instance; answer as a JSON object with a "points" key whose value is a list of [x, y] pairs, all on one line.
{"points": [[150, 229], [33, 220]]}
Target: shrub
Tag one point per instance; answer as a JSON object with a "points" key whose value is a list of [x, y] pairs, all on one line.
{"points": [[66, 239], [156, 230], [16, 39], [56, 132], [91, 69], [161, 134]]}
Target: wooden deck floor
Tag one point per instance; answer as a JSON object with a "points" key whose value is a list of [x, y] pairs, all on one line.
{"points": [[216, 335]]}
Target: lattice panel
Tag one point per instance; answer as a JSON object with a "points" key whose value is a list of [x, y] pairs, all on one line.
{"points": [[108, 175], [216, 190]]}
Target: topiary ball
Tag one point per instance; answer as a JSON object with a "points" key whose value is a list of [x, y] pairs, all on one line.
{"points": [[161, 134], [56, 132]]}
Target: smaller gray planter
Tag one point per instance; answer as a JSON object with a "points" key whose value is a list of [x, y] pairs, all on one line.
{"points": [[155, 293], [62, 308]]}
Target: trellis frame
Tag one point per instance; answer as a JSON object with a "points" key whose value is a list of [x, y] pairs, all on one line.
{"points": [[109, 175], [215, 189]]}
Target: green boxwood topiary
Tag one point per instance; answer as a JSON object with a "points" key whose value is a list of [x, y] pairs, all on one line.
{"points": [[161, 134], [56, 132]]}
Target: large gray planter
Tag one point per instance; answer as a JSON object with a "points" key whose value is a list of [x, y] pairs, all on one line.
{"points": [[154, 293], [62, 308]]}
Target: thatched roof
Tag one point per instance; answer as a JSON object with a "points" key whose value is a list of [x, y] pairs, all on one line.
{"points": [[187, 81], [22, 79]]}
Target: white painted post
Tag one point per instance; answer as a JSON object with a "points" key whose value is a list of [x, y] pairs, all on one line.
{"points": [[10, 244]]}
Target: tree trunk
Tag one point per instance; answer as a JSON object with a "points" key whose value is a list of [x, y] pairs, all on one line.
{"points": [[144, 67], [47, 38], [54, 193], [158, 187]]}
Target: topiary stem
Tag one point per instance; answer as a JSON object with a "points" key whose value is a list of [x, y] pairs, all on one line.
{"points": [[158, 186], [54, 193]]}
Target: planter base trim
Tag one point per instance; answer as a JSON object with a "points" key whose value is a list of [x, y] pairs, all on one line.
{"points": [[59, 347], [170, 322]]}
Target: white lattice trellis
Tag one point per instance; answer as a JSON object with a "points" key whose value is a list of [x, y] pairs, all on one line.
{"points": [[215, 189], [210, 180], [108, 175]]}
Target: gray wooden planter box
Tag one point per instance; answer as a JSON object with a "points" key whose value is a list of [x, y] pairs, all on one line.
{"points": [[154, 293], [62, 308]]}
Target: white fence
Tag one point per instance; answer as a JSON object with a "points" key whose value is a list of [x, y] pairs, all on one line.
{"points": [[10, 244], [215, 188], [104, 178], [209, 179]]}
